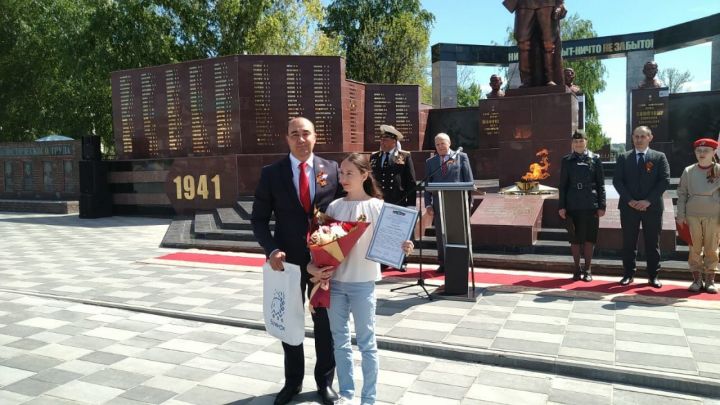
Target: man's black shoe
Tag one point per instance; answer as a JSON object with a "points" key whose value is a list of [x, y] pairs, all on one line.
{"points": [[626, 280], [655, 282], [328, 396], [286, 394], [440, 269]]}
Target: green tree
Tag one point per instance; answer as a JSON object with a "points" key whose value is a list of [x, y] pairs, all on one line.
{"points": [[589, 75], [56, 56], [385, 41], [469, 96], [675, 79], [469, 92]]}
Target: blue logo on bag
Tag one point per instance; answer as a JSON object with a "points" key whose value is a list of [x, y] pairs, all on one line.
{"points": [[277, 310]]}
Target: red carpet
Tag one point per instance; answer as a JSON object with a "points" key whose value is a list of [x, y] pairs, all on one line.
{"points": [[640, 286], [214, 259]]}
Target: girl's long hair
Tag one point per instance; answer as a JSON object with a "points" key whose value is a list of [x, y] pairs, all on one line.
{"points": [[370, 186]]}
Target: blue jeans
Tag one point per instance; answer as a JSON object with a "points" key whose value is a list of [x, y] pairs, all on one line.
{"points": [[358, 299]]}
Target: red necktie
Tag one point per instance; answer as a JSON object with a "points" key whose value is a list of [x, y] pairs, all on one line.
{"points": [[443, 166], [304, 187]]}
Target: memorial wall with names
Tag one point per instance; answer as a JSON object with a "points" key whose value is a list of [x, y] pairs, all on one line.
{"points": [[241, 105], [396, 105]]}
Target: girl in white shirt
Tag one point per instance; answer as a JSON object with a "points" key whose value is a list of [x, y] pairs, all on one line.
{"points": [[352, 285]]}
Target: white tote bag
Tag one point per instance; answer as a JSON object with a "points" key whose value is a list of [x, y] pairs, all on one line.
{"points": [[283, 306]]}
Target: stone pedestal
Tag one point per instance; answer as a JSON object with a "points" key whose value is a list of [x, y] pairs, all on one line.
{"points": [[649, 107], [507, 221], [202, 183], [610, 233], [635, 61], [529, 125], [489, 123]]}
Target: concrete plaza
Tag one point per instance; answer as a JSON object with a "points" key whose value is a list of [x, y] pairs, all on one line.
{"points": [[86, 316]]}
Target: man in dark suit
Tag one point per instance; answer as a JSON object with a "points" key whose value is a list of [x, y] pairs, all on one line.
{"points": [[641, 177], [291, 188], [446, 166]]}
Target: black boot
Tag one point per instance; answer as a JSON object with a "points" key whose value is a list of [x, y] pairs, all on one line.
{"points": [[577, 274], [575, 250], [587, 274]]}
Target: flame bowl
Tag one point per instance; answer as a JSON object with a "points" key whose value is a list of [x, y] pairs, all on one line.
{"points": [[527, 186]]}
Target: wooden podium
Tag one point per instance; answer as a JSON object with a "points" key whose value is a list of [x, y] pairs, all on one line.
{"points": [[453, 207]]}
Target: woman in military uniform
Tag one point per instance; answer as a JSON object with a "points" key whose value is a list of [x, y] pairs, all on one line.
{"points": [[582, 201]]}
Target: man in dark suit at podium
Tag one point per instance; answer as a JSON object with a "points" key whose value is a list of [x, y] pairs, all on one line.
{"points": [[291, 188], [447, 166], [641, 177]]}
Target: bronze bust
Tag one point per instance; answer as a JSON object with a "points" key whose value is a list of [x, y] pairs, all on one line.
{"points": [[569, 74], [650, 70], [537, 32], [495, 84]]}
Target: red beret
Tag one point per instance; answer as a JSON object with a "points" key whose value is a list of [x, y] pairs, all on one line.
{"points": [[706, 142]]}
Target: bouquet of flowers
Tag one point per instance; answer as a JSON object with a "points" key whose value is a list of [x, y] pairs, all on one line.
{"points": [[330, 241]]}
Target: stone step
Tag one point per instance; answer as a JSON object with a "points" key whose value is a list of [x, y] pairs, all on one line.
{"points": [[205, 226], [229, 218], [179, 236], [244, 207], [40, 206], [557, 234], [560, 234], [552, 247]]}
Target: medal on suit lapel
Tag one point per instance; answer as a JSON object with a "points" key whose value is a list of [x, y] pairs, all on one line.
{"points": [[321, 178]]}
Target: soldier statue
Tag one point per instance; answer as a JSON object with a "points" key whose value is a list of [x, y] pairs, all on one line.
{"points": [[537, 32]]}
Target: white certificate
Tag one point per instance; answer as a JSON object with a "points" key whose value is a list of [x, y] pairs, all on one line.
{"points": [[394, 227]]}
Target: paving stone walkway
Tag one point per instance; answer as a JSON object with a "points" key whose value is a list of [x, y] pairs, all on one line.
{"points": [[101, 262], [60, 352]]}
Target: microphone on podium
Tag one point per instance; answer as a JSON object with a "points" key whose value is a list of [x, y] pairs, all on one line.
{"points": [[457, 152]]}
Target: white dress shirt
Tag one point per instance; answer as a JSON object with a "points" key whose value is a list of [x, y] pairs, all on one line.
{"points": [[309, 169]]}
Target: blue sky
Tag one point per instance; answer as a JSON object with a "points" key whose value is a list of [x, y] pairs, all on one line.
{"points": [[485, 21]]}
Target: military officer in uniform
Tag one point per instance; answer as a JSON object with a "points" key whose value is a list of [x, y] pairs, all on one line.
{"points": [[581, 202], [393, 169]]}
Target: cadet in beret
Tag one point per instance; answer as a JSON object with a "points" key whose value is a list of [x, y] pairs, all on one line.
{"points": [[582, 201], [698, 207]]}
